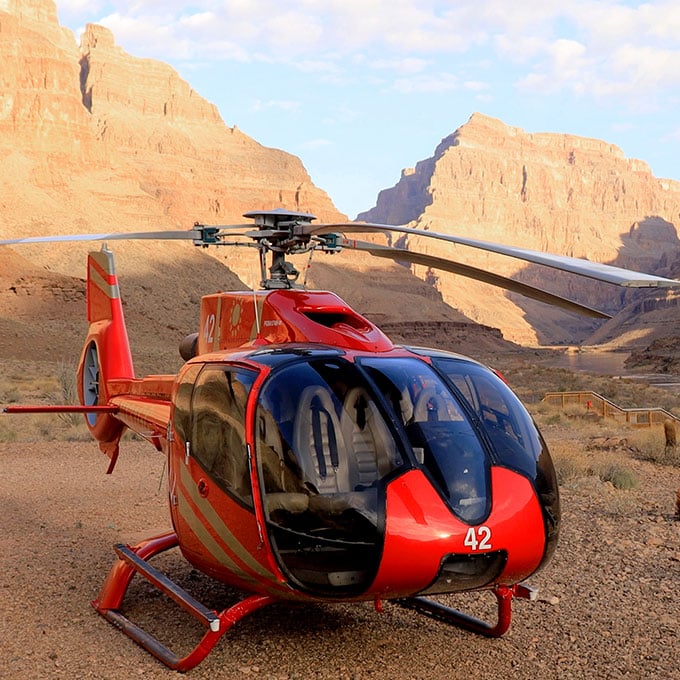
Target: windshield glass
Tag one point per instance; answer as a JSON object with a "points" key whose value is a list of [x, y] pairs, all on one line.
{"points": [[515, 440], [439, 430], [323, 447], [507, 423]]}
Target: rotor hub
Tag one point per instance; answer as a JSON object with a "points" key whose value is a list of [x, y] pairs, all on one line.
{"points": [[276, 233]]}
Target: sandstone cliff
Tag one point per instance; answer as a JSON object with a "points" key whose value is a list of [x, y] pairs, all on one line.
{"points": [[93, 135], [93, 139], [554, 192]]}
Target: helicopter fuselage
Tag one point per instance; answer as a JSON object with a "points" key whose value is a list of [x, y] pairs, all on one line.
{"points": [[311, 458]]}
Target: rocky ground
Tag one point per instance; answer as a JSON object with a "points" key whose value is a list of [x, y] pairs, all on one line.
{"points": [[608, 606]]}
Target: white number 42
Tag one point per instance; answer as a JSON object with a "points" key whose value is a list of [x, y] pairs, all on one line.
{"points": [[478, 538]]}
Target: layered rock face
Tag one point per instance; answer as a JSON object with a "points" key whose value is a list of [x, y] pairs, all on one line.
{"points": [[95, 140], [94, 137], [177, 146], [554, 192]]}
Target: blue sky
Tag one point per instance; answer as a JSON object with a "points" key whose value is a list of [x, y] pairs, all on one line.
{"points": [[360, 89]]}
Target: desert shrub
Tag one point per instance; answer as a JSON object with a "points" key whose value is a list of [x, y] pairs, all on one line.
{"points": [[10, 395], [76, 433], [66, 393], [569, 460], [620, 476], [649, 443], [572, 462], [7, 432]]}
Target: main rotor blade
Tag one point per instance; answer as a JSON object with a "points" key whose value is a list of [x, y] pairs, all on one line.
{"points": [[474, 273], [593, 270], [114, 236], [203, 234]]}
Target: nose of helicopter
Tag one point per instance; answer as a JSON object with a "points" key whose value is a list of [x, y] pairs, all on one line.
{"points": [[427, 549]]}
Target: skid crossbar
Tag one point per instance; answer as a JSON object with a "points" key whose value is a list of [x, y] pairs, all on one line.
{"points": [[132, 560], [454, 617]]}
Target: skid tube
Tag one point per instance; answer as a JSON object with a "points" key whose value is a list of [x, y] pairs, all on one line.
{"points": [[132, 560], [454, 617]]}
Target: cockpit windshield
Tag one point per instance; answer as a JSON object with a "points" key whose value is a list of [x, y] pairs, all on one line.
{"points": [[439, 431], [506, 422], [323, 447], [331, 434]]}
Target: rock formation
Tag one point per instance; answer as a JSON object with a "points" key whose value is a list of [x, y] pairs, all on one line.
{"points": [[92, 140], [554, 192], [95, 136]]}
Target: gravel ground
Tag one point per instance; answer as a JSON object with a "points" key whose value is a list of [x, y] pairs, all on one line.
{"points": [[608, 607]]}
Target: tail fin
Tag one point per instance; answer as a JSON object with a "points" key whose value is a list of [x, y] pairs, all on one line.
{"points": [[106, 354]]}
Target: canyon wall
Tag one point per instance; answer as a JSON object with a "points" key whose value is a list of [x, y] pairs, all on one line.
{"points": [[95, 140], [93, 136], [555, 192]]}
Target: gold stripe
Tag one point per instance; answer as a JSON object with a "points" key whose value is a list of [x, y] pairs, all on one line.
{"points": [[104, 259], [111, 291], [221, 529], [208, 542]]}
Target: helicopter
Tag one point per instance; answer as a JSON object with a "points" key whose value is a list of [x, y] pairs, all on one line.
{"points": [[309, 458]]}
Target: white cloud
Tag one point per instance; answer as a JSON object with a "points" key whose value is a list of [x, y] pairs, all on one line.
{"points": [[72, 6], [476, 85], [317, 144], [672, 136], [600, 48], [405, 66], [626, 126], [432, 83], [322, 66], [342, 115], [647, 66]]}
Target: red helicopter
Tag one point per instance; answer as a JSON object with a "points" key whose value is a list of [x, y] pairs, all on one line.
{"points": [[311, 459]]}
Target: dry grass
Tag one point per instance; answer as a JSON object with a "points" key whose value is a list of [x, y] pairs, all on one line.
{"points": [[573, 462], [40, 383], [567, 431], [650, 444]]}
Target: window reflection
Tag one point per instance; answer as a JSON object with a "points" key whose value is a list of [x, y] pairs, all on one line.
{"points": [[441, 435], [323, 447], [320, 432], [218, 441], [506, 422]]}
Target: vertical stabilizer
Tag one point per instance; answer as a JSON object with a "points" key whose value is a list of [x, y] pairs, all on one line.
{"points": [[105, 310], [106, 354]]}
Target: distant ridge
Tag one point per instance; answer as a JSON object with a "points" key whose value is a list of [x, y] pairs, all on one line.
{"points": [[547, 191]]}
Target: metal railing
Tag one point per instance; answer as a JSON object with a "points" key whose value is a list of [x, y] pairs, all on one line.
{"points": [[593, 402]]}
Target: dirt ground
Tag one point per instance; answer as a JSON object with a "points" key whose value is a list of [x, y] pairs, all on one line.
{"points": [[608, 606]]}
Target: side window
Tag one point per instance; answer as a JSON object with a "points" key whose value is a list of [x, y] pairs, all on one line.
{"points": [[218, 441], [182, 403]]}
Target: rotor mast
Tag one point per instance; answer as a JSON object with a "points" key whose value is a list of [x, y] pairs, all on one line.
{"points": [[276, 234]]}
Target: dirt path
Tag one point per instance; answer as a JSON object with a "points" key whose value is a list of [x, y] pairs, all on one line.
{"points": [[616, 574]]}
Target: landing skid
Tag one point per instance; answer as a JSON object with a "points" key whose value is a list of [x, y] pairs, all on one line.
{"points": [[504, 595], [132, 560]]}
